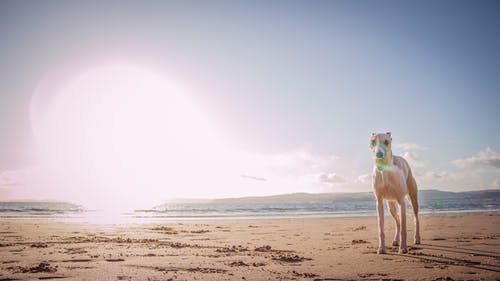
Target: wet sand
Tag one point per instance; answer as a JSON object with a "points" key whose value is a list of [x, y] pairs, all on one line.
{"points": [[458, 247]]}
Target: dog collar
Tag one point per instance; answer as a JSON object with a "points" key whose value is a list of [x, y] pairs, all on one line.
{"points": [[381, 166]]}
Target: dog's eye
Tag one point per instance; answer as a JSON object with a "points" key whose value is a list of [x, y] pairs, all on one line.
{"points": [[386, 142]]}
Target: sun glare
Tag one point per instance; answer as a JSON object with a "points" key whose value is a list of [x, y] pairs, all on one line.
{"points": [[122, 136]]}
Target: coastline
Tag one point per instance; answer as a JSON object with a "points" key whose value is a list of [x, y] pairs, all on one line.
{"points": [[461, 246]]}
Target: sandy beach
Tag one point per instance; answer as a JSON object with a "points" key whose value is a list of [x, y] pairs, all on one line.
{"points": [[455, 247]]}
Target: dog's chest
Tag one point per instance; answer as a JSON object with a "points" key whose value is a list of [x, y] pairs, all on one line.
{"points": [[388, 185]]}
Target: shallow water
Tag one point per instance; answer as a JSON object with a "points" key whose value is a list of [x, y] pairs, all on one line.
{"points": [[221, 211]]}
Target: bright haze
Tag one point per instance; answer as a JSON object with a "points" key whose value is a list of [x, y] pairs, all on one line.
{"points": [[126, 104]]}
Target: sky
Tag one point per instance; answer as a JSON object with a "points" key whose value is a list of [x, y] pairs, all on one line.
{"points": [[163, 99]]}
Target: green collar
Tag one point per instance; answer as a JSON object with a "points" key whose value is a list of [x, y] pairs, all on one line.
{"points": [[381, 166]]}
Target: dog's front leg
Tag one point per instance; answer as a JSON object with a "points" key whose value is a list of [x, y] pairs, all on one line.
{"points": [[381, 235], [402, 244]]}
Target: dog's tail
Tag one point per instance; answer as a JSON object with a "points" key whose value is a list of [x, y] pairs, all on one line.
{"points": [[412, 191]]}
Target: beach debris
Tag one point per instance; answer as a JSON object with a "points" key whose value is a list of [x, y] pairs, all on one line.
{"points": [[17, 250], [179, 245], [41, 267], [172, 231], [446, 278], [265, 248], [77, 260], [359, 228], [191, 269], [115, 260], [370, 275], [166, 230], [232, 249], [238, 263], [39, 245], [199, 231], [304, 275], [290, 258], [358, 241], [438, 239]]}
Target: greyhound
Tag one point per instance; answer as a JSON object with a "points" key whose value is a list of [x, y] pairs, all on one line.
{"points": [[393, 181]]}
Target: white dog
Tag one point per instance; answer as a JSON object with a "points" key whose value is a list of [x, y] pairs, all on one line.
{"points": [[393, 181]]}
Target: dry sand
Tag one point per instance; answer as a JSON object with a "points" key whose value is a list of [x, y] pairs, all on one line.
{"points": [[462, 247]]}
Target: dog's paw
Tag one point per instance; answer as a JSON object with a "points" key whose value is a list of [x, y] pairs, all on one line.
{"points": [[417, 241], [403, 250], [395, 243], [381, 251]]}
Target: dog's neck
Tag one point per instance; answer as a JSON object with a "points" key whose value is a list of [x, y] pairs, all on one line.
{"points": [[386, 163]]}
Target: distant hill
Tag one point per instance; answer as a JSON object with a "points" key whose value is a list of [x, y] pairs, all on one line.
{"points": [[300, 198], [433, 194], [426, 195]]}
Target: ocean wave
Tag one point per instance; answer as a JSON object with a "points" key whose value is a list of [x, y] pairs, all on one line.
{"points": [[247, 210], [38, 208]]}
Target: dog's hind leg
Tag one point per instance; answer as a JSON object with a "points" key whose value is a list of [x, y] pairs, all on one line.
{"points": [[413, 194], [402, 243], [391, 205]]}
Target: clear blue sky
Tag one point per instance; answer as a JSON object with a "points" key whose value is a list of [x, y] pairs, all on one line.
{"points": [[283, 76]]}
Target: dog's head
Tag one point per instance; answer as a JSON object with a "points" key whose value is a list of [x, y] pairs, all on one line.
{"points": [[380, 145]]}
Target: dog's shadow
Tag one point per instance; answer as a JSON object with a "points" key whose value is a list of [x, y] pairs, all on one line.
{"points": [[471, 252], [440, 258]]}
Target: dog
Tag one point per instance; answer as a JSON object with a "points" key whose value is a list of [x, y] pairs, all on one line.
{"points": [[393, 181]]}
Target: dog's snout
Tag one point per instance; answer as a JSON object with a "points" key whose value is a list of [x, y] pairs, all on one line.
{"points": [[379, 154]]}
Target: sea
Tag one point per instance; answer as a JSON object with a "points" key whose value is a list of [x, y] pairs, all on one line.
{"points": [[286, 207]]}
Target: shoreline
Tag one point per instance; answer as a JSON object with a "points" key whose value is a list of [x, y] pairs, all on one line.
{"points": [[454, 247], [126, 218]]}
